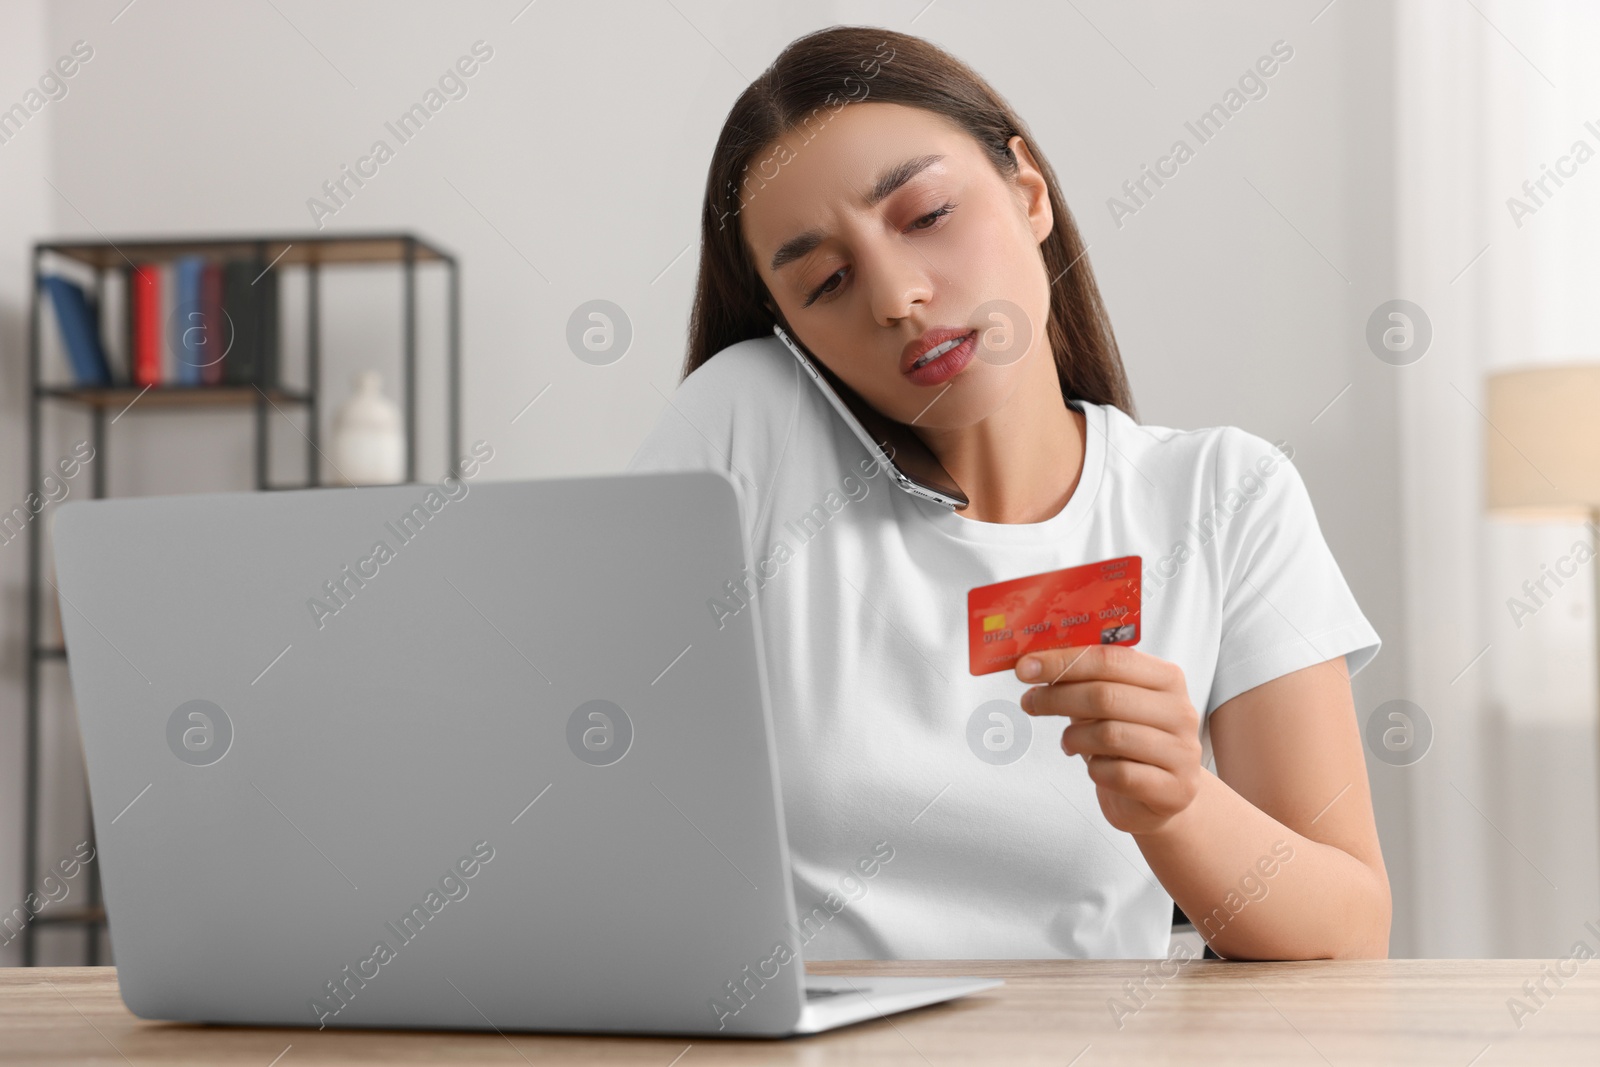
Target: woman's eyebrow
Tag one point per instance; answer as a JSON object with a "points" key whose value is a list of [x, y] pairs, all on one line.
{"points": [[798, 246]]}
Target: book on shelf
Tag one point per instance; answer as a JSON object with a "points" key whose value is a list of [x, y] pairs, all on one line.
{"points": [[250, 302], [211, 309], [113, 312], [145, 280], [196, 322], [168, 321], [79, 320], [192, 333]]}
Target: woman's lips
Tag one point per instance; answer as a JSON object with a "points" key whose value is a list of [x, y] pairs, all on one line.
{"points": [[947, 366]]}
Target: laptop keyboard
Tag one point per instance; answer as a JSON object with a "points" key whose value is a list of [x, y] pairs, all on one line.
{"points": [[818, 992]]}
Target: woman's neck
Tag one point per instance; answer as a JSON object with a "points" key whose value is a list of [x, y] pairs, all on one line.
{"points": [[1022, 463]]}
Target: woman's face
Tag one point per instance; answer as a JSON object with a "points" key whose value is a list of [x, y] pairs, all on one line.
{"points": [[889, 223]]}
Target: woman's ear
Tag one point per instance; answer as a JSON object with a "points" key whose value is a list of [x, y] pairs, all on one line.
{"points": [[1035, 192]]}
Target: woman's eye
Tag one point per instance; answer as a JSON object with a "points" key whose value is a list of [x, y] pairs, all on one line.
{"points": [[932, 217], [824, 289], [834, 280]]}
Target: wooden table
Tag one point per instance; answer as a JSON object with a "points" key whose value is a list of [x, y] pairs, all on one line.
{"points": [[1417, 1012]]}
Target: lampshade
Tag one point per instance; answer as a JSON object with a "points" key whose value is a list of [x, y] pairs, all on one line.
{"points": [[1544, 442]]}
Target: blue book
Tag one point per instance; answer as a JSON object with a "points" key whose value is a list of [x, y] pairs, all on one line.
{"points": [[80, 329], [189, 325]]}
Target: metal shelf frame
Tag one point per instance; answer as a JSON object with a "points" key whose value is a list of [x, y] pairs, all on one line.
{"points": [[314, 252]]}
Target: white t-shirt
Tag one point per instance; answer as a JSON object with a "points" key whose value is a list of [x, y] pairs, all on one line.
{"points": [[883, 740]]}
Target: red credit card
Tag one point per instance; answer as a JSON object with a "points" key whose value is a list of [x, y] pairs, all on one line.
{"points": [[1094, 604]]}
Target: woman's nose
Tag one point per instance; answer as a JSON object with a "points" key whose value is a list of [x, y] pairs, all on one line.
{"points": [[899, 279]]}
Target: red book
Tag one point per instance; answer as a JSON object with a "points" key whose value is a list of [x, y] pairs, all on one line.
{"points": [[217, 331], [146, 325]]}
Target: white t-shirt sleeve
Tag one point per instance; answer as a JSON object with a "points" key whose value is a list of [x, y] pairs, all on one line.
{"points": [[735, 413], [692, 432], [1286, 605]]}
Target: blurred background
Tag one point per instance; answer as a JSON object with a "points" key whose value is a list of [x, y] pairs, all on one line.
{"points": [[1400, 152]]}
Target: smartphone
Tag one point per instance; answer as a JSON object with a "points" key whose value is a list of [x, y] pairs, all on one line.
{"points": [[894, 445]]}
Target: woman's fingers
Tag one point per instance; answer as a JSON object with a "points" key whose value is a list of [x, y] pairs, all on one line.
{"points": [[1132, 722], [1114, 663], [1095, 700], [1125, 740], [1156, 789]]}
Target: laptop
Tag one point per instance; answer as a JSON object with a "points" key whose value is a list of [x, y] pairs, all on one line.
{"points": [[471, 756]]}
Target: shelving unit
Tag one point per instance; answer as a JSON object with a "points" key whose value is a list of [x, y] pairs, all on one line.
{"points": [[310, 252]]}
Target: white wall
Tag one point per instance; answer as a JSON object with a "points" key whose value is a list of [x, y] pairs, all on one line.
{"points": [[1509, 863], [24, 160], [574, 169]]}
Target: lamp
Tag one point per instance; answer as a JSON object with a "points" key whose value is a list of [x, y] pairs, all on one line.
{"points": [[1543, 460]]}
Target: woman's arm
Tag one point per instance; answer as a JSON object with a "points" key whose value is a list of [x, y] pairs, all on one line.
{"points": [[1290, 769], [1274, 857]]}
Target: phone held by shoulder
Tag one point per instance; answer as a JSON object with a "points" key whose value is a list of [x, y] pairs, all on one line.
{"points": [[893, 445]]}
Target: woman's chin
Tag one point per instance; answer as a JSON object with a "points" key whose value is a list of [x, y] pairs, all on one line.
{"points": [[981, 389], [958, 412]]}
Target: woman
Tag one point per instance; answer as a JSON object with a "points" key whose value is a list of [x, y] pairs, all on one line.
{"points": [[874, 196]]}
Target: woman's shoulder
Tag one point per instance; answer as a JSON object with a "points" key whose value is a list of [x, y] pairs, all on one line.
{"points": [[754, 373], [1204, 453], [736, 412]]}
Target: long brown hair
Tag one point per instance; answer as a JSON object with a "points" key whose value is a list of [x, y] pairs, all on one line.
{"points": [[811, 79]]}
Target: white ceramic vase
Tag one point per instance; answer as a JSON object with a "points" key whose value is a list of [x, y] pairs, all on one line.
{"points": [[369, 446]]}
